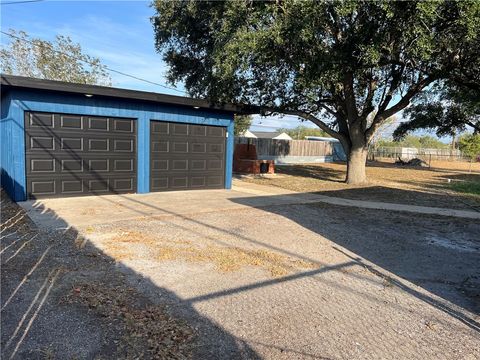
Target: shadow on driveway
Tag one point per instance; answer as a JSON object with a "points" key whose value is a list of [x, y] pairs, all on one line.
{"points": [[44, 277], [439, 254]]}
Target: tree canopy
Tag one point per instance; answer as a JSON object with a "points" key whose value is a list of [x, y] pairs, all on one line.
{"points": [[424, 142], [242, 123], [299, 132], [333, 63], [61, 60], [455, 109], [469, 144]]}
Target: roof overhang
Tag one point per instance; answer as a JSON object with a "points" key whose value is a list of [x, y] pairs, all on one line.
{"points": [[21, 82]]}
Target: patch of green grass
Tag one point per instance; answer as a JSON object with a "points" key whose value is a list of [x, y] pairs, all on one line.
{"points": [[466, 187]]}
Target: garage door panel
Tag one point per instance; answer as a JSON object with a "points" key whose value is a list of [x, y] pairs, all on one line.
{"points": [[198, 131], [185, 156], [179, 129], [214, 181], [213, 131], [71, 122], [98, 124], [74, 186], [159, 183], [41, 120], [124, 185], [71, 155], [121, 125], [39, 165], [43, 187], [159, 127]]}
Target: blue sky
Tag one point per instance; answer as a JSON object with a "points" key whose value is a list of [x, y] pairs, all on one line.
{"points": [[118, 32]]}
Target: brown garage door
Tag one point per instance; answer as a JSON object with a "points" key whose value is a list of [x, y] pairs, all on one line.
{"points": [[185, 156], [70, 155]]}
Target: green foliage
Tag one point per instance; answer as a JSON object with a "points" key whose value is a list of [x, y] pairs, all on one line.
{"points": [[330, 62], [457, 107], [61, 60], [424, 142], [467, 187], [242, 123], [301, 131], [470, 145], [310, 55]]}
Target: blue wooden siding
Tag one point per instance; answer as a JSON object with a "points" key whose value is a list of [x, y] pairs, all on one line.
{"points": [[12, 135]]}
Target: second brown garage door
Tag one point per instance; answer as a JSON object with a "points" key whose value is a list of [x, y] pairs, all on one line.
{"points": [[185, 156]]}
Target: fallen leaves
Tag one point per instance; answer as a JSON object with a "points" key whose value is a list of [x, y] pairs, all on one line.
{"points": [[148, 330]]}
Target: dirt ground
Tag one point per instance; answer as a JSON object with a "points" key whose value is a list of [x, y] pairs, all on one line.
{"points": [[296, 281], [387, 182]]}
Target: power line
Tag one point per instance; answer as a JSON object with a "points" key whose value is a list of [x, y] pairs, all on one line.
{"points": [[92, 63], [19, 2]]}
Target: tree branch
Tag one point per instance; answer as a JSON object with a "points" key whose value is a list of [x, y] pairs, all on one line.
{"points": [[394, 84], [368, 104], [329, 110], [303, 114], [400, 105], [350, 103]]}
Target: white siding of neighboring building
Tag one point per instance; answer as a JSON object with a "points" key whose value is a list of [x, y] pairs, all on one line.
{"points": [[283, 136], [248, 134]]}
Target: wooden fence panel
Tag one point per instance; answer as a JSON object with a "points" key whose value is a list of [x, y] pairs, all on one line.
{"points": [[273, 147]]}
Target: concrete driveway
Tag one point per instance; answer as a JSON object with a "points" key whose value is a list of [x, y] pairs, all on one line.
{"points": [[289, 277]]}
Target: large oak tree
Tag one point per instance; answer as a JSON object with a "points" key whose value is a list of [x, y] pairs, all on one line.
{"points": [[333, 63]]}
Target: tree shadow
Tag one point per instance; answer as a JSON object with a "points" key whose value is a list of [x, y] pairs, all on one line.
{"points": [[383, 247], [42, 268], [434, 196], [392, 165], [439, 254], [413, 247], [312, 171]]}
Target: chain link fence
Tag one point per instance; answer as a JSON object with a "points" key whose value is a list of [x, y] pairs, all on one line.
{"points": [[427, 156]]}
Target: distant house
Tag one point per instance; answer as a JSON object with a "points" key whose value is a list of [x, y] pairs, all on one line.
{"points": [[338, 152], [248, 134], [271, 135]]}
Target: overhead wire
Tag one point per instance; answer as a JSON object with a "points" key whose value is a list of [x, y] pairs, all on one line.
{"points": [[92, 63], [19, 2]]}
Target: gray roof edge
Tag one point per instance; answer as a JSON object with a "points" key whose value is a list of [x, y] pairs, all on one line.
{"points": [[15, 81]]}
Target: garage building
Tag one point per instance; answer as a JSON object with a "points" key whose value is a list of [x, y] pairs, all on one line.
{"points": [[60, 139]]}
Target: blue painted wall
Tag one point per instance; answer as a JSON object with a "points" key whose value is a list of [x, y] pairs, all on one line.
{"points": [[12, 132]]}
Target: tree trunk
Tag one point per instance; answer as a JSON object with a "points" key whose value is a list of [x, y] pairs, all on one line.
{"points": [[356, 165]]}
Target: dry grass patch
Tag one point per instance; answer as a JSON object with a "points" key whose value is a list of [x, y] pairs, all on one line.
{"points": [[131, 245], [228, 259], [387, 182], [125, 244], [89, 211]]}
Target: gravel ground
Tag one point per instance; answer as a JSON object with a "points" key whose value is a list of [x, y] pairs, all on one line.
{"points": [[309, 281], [355, 284]]}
